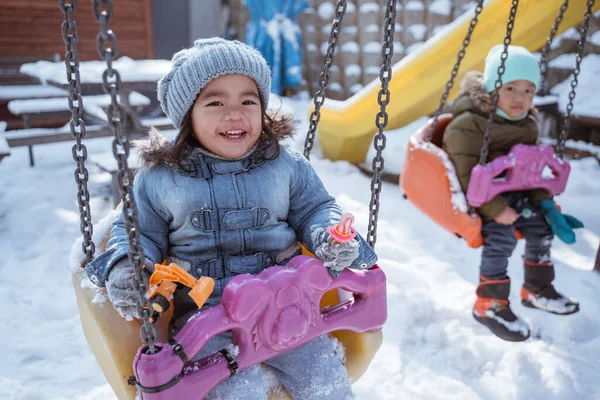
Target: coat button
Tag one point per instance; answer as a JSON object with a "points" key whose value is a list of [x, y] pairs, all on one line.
{"points": [[265, 217], [94, 279], [195, 220], [199, 271]]}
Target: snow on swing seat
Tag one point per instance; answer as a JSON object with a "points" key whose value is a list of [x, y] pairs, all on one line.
{"points": [[269, 313], [429, 181]]}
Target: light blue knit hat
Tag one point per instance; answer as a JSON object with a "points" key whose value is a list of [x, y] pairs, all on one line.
{"points": [[192, 69], [520, 64]]}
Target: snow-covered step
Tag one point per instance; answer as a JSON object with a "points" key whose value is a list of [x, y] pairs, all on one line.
{"points": [[14, 92], [54, 104], [29, 137]]}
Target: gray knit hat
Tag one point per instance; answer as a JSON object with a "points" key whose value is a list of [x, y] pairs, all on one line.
{"points": [[192, 69]]}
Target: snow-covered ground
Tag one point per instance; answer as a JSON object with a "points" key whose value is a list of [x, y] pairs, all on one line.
{"points": [[433, 349]]}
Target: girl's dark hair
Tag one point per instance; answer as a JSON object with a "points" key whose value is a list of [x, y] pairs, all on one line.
{"points": [[275, 128]]}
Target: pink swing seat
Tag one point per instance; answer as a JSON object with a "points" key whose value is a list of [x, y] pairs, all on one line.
{"points": [[268, 314], [523, 168]]}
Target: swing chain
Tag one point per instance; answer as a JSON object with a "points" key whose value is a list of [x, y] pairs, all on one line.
{"points": [[562, 139], [319, 98], [498, 84], [70, 35], [107, 49], [381, 120], [461, 54], [544, 54]]}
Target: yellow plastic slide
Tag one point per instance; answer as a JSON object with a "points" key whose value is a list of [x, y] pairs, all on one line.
{"points": [[346, 128]]}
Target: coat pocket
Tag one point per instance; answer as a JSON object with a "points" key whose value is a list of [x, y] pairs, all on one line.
{"points": [[249, 264]]}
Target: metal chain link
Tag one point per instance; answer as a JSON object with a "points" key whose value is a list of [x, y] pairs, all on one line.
{"points": [[562, 138], [319, 99], [381, 120], [107, 48], [498, 84], [70, 35], [450, 83], [544, 54]]}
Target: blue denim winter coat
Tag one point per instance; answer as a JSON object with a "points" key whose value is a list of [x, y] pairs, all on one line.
{"points": [[227, 217]]}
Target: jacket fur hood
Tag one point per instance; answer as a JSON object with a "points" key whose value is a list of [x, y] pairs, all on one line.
{"points": [[150, 150], [474, 98]]}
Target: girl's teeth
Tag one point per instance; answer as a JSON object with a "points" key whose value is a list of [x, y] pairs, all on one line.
{"points": [[235, 134]]}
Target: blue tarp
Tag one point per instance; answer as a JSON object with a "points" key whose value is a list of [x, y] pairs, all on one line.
{"points": [[273, 29]]}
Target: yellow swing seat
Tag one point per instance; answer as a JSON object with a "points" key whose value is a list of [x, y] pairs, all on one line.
{"points": [[114, 341]]}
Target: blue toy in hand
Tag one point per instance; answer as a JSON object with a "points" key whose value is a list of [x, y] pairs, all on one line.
{"points": [[562, 224]]}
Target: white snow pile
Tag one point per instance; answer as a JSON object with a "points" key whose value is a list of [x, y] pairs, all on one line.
{"points": [[432, 349]]}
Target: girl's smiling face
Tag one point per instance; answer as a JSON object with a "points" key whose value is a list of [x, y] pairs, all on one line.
{"points": [[227, 116], [515, 98]]}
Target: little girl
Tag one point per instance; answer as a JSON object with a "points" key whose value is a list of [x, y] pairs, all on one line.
{"points": [[224, 199], [533, 212]]}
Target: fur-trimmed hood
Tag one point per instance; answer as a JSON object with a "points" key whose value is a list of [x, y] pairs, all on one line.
{"points": [[149, 150], [474, 98]]}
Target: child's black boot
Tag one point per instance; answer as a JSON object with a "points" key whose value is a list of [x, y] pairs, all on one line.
{"points": [[492, 309], [538, 291]]}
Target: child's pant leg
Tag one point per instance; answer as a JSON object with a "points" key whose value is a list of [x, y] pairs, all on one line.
{"points": [[499, 241], [313, 371], [246, 384], [538, 237]]}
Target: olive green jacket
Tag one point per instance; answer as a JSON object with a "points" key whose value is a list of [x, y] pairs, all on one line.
{"points": [[463, 138]]}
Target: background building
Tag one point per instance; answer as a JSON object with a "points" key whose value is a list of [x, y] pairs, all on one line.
{"points": [[30, 31]]}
